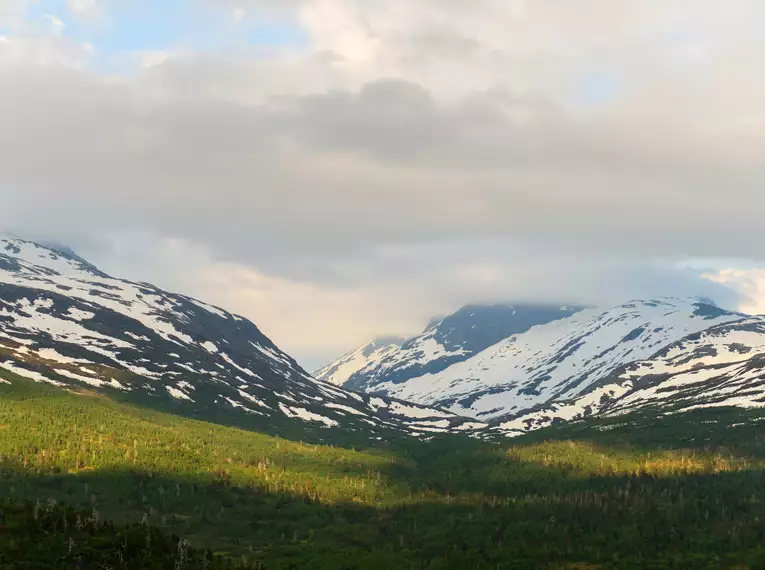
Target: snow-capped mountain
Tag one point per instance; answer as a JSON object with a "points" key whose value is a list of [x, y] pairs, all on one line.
{"points": [[444, 342], [575, 366], [723, 366], [66, 323], [369, 355]]}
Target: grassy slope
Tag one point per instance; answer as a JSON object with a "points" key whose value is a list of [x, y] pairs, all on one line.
{"points": [[676, 493], [277, 425]]}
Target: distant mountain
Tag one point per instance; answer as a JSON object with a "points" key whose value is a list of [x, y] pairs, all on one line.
{"points": [[370, 354], [445, 341], [720, 367], [638, 354], [66, 323]]}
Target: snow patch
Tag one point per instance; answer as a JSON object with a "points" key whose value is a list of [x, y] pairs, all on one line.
{"points": [[305, 415], [177, 394], [30, 374]]}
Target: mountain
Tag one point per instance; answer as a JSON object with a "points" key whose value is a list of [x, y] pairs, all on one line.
{"points": [[368, 355], [665, 354], [66, 323], [635, 355], [98, 473], [720, 367], [444, 342]]}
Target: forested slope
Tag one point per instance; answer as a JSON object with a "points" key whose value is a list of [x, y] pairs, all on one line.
{"points": [[680, 492]]}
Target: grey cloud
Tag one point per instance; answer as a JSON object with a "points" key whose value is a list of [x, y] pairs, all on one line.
{"points": [[400, 121], [11, 10], [295, 179], [457, 272]]}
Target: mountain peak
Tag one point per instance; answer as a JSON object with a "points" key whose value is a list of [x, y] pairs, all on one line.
{"points": [[59, 259], [366, 355], [444, 341], [382, 342]]}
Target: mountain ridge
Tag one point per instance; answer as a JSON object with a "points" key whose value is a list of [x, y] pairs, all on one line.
{"points": [[445, 341], [65, 322], [599, 360]]}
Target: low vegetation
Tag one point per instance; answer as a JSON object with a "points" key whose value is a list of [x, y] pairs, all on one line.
{"points": [[50, 536], [641, 492]]}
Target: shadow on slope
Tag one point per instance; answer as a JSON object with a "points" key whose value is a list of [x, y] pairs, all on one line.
{"points": [[55, 537], [698, 521]]}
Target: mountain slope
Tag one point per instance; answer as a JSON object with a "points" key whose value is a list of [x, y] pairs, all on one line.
{"points": [[721, 367], [560, 361], [64, 322], [368, 355], [444, 342]]}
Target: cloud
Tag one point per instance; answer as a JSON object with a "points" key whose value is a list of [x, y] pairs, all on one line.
{"points": [[55, 24], [342, 171], [312, 321], [749, 283], [44, 49], [11, 11], [395, 293], [31, 35], [85, 10], [424, 153]]}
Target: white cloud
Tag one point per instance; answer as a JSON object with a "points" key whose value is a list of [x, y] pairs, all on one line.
{"points": [[39, 41], [85, 10], [11, 11], [42, 49], [55, 24], [150, 58], [749, 283]]}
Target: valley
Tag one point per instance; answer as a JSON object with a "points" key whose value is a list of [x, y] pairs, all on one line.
{"points": [[683, 492], [379, 285]]}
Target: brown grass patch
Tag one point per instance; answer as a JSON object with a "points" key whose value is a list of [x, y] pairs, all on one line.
{"points": [[88, 393]]}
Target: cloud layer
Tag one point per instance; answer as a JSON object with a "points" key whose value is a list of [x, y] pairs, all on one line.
{"points": [[405, 156]]}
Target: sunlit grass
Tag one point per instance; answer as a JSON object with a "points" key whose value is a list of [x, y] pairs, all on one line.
{"points": [[586, 458], [50, 433]]}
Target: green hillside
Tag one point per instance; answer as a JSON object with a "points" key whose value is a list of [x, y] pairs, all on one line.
{"points": [[681, 492]]}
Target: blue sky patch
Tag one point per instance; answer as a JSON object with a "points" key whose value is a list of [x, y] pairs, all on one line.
{"points": [[165, 25], [597, 89]]}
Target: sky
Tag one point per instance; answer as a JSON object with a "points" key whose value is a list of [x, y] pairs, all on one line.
{"points": [[337, 170]]}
